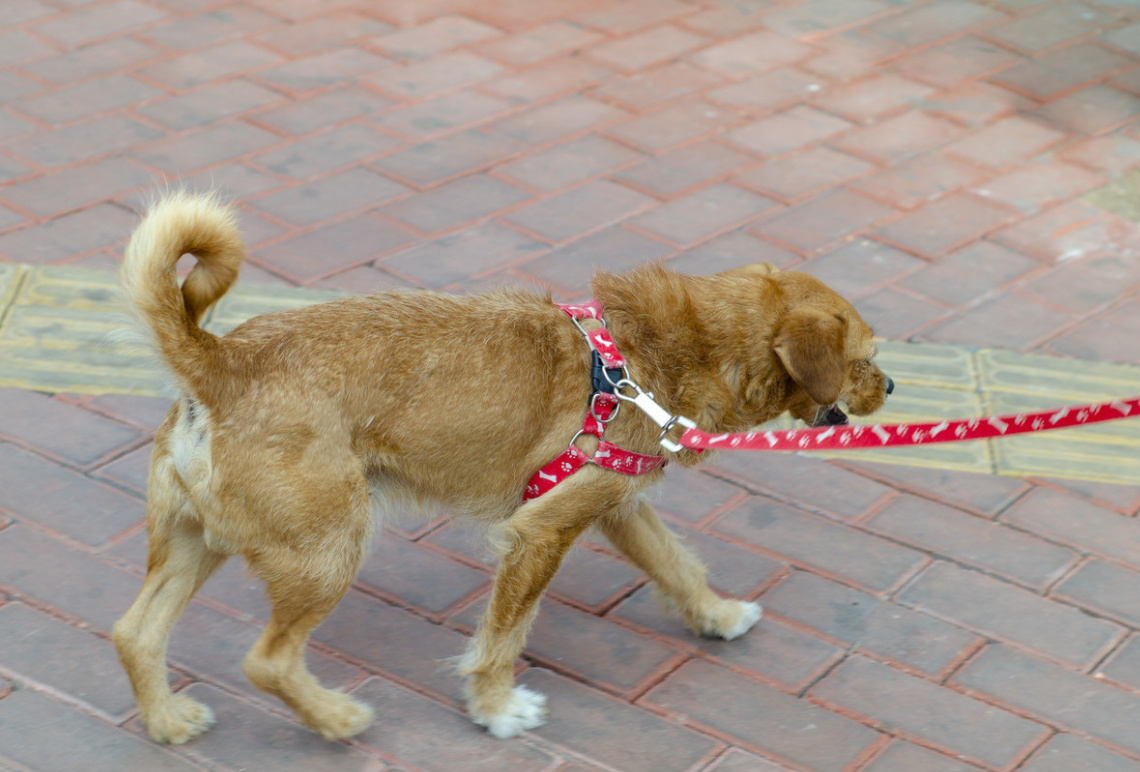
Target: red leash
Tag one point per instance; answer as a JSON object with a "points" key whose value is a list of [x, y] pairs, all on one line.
{"points": [[890, 435]]}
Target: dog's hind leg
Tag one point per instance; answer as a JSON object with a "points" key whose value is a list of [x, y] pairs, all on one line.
{"points": [[305, 582], [681, 577], [179, 562]]}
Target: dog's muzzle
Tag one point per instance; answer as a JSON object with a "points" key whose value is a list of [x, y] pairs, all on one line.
{"points": [[833, 416], [890, 386]]}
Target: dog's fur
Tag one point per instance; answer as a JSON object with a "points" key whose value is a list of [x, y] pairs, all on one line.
{"points": [[290, 429]]}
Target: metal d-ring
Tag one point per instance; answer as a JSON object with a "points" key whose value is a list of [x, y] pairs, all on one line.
{"points": [[594, 414]]}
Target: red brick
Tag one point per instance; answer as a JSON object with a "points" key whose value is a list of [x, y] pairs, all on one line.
{"points": [[898, 139], [330, 196], [803, 173], [974, 541], [851, 54], [1125, 38], [59, 238], [580, 210], [319, 154], [63, 500], [12, 127], [190, 152], [778, 653], [1038, 30], [622, 736], [1005, 142], [435, 75], [1004, 321], [418, 577], [818, 17], [945, 225], [934, 21], [751, 54], [823, 220], [870, 623], [1124, 666], [1070, 230], [344, 65], [430, 162], [1002, 611], [699, 215], [790, 729], [80, 436], [188, 33], [308, 114], [978, 104], [738, 761], [673, 124], [809, 481], [8, 218], [92, 61], [558, 119], [925, 710], [32, 724], [208, 104], [594, 579], [321, 34], [411, 728], [969, 273], [903, 757], [809, 540], [1055, 694], [645, 89], [1092, 110], [687, 167], [436, 36], [729, 251], [85, 99], [250, 737], [79, 27], [55, 655], [643, 49], [17, 46], [205, 65], [867, 100], [84, 141], [377, 634], [1122, 498], [362, 280], [859, 266], [569, 163], [144, 412], [69, 579], [956, 62], [1106, 338], [1106, 589], [558, 77], [621, 18], [569, 268], [459, 255], [787, 131], [897, 315], [771, 91], [1083, 286], [693, 495], [336, 246], [914, 183], [1115, 154], [129, 471], [1066, 752], [554, 38], [19, 11], [1052, 74], [443, 114]]}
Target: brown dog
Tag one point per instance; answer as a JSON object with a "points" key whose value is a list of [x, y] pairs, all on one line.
{"points": [[294, 427]]}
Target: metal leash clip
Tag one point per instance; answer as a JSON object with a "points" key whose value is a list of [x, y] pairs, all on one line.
{"points": [[657, 414]]}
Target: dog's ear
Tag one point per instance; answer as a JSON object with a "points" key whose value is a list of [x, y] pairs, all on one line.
{"points": [[752, 269], [812, 346]]}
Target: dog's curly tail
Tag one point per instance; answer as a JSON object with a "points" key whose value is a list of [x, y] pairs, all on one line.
{"points": [[182, 223]]}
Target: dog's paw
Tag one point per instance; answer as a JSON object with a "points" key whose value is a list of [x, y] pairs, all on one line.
{"points": [[731, 619], [179, 720], [523, 709], [338, 716]]}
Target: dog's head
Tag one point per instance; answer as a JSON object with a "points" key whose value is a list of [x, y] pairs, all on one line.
{"points": [[825, 347], [828, 351]]}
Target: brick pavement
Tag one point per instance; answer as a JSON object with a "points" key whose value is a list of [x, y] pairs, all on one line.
{"points": [[962, 170]]}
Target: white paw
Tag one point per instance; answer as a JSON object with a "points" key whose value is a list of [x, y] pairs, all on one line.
{"points": [[750, 614], [524, 710]]}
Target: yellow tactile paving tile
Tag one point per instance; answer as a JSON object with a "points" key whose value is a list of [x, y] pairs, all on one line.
{"points": [[55, 324]]}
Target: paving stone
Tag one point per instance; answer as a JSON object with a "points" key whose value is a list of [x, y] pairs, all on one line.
{"points": [[1009, 140], [83, 100], [973, 540], [751, 54], [453, 257], [672, 125], [72, 234], [411, 728], [917, 182], [433, 37], [969, 273], [861, 265], [1041, 29], [787, 131], [31, 725], [209, 64], [417, 576], [702, 214], [435, 75], [1105, 588], [1054, 73], [570, 163], [553, 38], [791, 729], [1123, 667], [54, 654], [1000, 610], [1005, 321], [738, 761], [898, 139], [443, 114], [855, 556], [1055, 694], [594, 579], [823, 220], [310, 113], [455, 203], [613, 248], [191, 152], [867, 100], [922, 709], [901, 756], [1087, 285], [318, 154], [337, 245], [93, 60], [883, 628], [1097, 338], [642, 90], [330, 68], [1066, 752], [68, 432], [644, 49], [337, 194], [771, 91], [729, 251], [557, 77], [803, 173], [579, 210], [84, 141]]}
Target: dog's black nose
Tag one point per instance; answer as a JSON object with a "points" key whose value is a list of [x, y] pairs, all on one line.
{"points": [[890, 385]]}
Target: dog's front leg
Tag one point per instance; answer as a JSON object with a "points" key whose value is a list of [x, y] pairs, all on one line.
{"points": [[641, 536], [537, 537]]}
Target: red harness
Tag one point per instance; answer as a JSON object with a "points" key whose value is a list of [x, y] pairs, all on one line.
{"points": [[603, 409]]}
